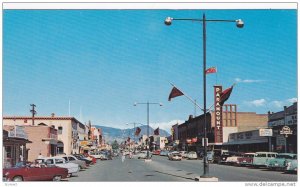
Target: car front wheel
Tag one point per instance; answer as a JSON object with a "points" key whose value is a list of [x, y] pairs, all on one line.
{"points": [[17, 179], [56, 178]]}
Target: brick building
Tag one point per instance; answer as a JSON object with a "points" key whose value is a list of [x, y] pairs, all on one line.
{"points": [[232, 122]]}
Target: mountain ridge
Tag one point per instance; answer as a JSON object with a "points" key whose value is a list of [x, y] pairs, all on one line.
{"points": [[111, 134]]}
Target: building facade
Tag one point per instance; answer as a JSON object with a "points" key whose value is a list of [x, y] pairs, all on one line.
{"points": [[68, 130], [44, 141], [191, 132], [15, 142], [284, 127]]}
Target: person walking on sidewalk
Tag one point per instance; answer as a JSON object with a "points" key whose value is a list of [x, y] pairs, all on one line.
{"points": [[123, 157]]}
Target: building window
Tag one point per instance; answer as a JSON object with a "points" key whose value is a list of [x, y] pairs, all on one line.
{"points": [[59, 130]]}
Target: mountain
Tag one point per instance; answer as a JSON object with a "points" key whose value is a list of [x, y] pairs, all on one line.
{"points": [[110, 134]]}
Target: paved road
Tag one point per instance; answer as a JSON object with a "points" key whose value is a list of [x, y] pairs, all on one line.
{"points": [[161, 169]]}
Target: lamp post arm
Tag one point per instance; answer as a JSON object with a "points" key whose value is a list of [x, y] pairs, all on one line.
{"points": [[201, 20]]}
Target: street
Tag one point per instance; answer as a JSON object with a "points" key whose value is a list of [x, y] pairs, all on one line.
{"points": [[163, 170]]}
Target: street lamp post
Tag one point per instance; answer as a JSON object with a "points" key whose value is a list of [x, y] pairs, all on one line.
{"points": [[148, 103], [239, 24]]}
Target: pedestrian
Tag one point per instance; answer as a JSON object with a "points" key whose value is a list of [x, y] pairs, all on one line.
{"points": [[123, 157]]}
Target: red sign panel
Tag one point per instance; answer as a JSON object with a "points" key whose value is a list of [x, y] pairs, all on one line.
{"points": [[218, 115]]}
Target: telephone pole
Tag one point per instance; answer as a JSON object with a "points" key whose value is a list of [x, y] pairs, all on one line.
{"points": [[33, 113]]}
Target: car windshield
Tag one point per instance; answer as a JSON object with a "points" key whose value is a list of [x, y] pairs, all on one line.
{"points": [[249, 155]]}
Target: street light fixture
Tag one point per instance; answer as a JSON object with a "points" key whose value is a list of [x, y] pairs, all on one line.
{"points": [[148, 103], [239, 24]]}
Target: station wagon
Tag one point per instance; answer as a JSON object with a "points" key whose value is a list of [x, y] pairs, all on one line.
{"points": [[260, 158]]}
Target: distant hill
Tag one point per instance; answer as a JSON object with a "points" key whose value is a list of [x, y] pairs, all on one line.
{"points": [[110, 134]]}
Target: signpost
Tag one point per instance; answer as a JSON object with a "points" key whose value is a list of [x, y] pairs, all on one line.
{"points": [[286, 130]]}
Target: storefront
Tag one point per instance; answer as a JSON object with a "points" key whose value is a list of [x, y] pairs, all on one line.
{"points": [[14, 148], [248, 141]]}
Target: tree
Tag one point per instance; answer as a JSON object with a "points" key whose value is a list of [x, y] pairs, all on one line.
{"points": [[115, 145]]}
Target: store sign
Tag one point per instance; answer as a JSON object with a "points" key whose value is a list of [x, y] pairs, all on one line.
{"points": [[265, 132], [218, 115], [286, 130]]}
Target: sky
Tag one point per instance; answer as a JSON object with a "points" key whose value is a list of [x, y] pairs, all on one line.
{"points": [[103, 61]]}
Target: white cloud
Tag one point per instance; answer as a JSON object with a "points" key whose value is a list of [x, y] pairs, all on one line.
{"points": [[239, 80], [281, 104], [277, 104], [166, 125], [257, 103], [292, 100]]}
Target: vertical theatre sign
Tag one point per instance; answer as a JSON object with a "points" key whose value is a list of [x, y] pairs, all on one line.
{"points": [[218, 115]]}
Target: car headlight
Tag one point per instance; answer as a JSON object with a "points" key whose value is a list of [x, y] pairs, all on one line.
{"points": [[6, 174]]}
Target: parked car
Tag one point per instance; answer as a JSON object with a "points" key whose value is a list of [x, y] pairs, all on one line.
{"points": [[281, 160], [246, 159], [183, 154], [214, 156], [81, 157], [73, 159], [260, 158], [34, 173], [232, 158], [292, 166], [171, 152], [164, 153], [175, 156], [156, 152], [143, 155], [89, 157], [59, 162], [97, 155], [192, 155]]}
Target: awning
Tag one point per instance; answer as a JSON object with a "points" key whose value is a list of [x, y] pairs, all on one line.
{"points": [[246, 142]]}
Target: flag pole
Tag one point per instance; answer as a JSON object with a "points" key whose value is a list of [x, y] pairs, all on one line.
{"points": [[195, 103]]}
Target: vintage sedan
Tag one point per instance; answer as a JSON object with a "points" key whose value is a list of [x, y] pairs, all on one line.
{"points": [[260, 158], [73, 159], [59, 162], [192, 155], [233, 157], [34, 173], [281, 160], [143, 155], [292, 166], [175, 156], [246, 159], [88, 160]]}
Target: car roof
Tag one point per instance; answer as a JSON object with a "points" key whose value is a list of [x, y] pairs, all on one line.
{"points": [[266, 152]]}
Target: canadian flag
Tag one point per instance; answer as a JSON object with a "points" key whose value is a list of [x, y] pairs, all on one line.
{"points": [[211, 70]]}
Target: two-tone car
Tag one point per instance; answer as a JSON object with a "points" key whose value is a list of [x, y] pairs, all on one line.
{"points": [[260, 159], [175, 156], [192, 155], [34, 172], [73, 159], [59, 162], [292, 166], [246, 159], [281, 160]]}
